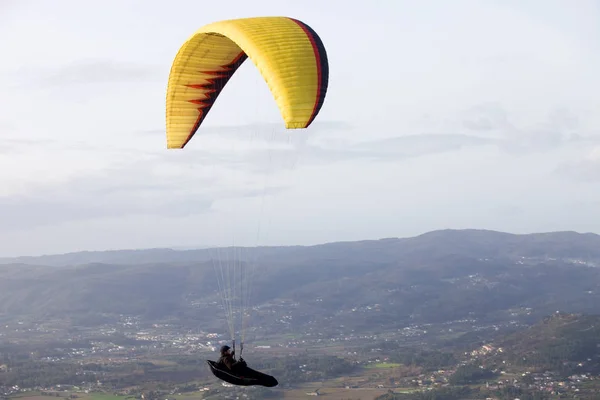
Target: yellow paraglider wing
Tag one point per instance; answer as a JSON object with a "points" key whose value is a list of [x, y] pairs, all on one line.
{"points": [[288, 53]]}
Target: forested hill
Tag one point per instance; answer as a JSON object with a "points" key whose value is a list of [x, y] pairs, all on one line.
{"points": [[559, 341], [367, 285]]}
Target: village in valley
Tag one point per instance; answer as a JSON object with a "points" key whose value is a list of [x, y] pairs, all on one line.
{"points": [[97, 351]]}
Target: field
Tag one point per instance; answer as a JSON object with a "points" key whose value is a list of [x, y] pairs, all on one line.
{"points": [[332, 389], [383, 365], [291, 394], [336, 393], [65, 395]]}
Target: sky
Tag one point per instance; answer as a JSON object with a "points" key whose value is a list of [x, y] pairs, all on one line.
{"points": [[464, 114]]}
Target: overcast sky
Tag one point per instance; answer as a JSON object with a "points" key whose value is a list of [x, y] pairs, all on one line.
{"points": [[461, 114]]}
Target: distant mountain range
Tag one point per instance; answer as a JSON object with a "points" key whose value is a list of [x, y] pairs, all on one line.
{"points": [[435, 277], [468, 242]]}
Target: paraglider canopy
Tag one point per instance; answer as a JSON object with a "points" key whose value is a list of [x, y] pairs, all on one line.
{"points": [[288, 53]]}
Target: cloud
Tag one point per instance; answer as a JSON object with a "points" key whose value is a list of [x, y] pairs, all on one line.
{"points": [[88, 72], [17, 144], [29, 212], [56, 148], [586, 169], [561, 127], [266, 146], [486, 124], [286, 157], [13, 140], [96, 197], [152, 186], [418, 145], [486, 117], [395, 148], [562, 131], [175, 183]]}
